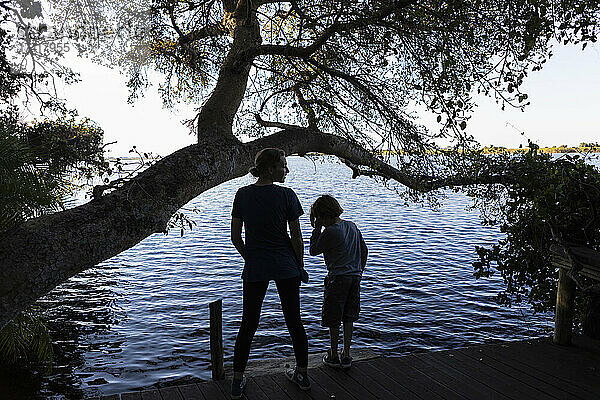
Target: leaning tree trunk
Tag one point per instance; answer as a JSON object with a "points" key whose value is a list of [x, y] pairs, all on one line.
{"points": [[46, 251]]}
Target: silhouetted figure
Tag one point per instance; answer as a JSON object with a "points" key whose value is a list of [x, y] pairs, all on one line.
{"points": [[265, 210], [345, 254]]}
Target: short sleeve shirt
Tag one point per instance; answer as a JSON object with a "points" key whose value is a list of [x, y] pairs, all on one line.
{"points": [[265, 212]]}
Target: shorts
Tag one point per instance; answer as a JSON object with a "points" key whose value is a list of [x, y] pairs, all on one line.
{"points": [[341, 300]]}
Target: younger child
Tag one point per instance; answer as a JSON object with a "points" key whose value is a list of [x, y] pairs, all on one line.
{"points": [[345, 254]]}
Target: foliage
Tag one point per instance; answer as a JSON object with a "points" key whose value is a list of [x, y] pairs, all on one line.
{"points": [[352, 68], [25, 340], [39, 163], [552, 200]]}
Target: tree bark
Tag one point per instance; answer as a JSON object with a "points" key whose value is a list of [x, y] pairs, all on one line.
{"points": [[217, 114]]}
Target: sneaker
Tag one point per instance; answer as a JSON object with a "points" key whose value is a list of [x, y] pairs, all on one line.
{"points": [[330, 361], [237, 387], [346, 362], [298, 378]]}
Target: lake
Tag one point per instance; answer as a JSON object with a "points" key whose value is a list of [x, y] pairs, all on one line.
{"points": [[141, 318]]}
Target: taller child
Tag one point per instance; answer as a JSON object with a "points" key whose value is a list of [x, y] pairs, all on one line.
{"points": [[266, 210]]}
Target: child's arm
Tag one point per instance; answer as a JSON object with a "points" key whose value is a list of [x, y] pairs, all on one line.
{"points": [[318, 241], [364, 251]]}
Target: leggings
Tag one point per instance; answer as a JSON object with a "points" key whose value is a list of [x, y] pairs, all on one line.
{"points": [[289, 295]]}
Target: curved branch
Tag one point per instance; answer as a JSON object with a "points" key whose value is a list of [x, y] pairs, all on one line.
{"points": [[298, 140]]}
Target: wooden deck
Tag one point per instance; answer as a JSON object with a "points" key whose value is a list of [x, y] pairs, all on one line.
{"points": [[534, 369]]}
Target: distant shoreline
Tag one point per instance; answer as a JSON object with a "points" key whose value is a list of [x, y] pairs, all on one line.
{"points": [[563, 149]]}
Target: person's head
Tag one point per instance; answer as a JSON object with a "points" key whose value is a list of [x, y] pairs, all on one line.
{"points": [[270, 164], [326, 210]]}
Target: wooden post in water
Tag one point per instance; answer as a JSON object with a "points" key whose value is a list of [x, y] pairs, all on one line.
{"points": [[216, 340], [563, 320]]}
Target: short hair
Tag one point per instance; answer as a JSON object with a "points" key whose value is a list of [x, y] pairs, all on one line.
{"points": [[327, 206], [265, 159]]}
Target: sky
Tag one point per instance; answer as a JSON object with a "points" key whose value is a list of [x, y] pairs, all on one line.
{"points": [[564, 109]]}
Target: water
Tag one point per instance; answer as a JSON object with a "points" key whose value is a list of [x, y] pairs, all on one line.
{"points": [[141, 318]]}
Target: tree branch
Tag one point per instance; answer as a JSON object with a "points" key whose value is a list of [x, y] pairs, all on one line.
{"points": [[338, 27], [207, 31], [299, 140]]}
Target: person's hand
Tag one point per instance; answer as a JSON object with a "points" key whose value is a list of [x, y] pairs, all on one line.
{"points": [[318, 224]]}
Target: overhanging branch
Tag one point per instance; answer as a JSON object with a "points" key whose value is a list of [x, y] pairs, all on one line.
{"points": [[299, 140]]}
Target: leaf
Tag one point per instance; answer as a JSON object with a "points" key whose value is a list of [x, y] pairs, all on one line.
{"points": [[463, 125]]}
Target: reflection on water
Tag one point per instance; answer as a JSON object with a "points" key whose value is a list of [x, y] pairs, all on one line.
{"points": [[140, 319]]}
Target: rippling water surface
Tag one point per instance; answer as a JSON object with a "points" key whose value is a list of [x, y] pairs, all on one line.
{"points": [[141, 318]]}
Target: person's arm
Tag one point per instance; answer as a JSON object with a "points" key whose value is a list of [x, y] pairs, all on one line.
{"points": [[236, 236], [320, 241], [364, 251], [297, 243]]}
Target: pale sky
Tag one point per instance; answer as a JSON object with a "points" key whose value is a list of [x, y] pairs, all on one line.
{"points": [[564, 96]]}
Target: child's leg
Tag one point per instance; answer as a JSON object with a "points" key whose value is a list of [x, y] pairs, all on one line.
{"points": [[334, 334], [348, 325]]}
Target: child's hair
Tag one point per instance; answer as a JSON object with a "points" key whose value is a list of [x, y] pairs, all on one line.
{"points": [[265, 159], [327, 206]]}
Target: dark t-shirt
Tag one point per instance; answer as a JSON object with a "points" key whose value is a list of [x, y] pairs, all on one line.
{"points": [[265, 211]]}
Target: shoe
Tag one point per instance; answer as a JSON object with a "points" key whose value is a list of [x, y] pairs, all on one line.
{"points": [[237, 387], [346, 362], [298, 378], [330, 361]]}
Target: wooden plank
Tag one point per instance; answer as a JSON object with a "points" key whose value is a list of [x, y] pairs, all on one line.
{"points": [[586, 344], [373, 385], [519, 359], [579, 351], [447, 361], [516, 373], [191, 392], [253, 391], [294, 392], [270, 388], [131, 396], [152, 394], [495, 379], [356, 388], [224, 386], [556, 356], [586, 270], [396, 389], [216, 340], [449, 377], [211, 391], [582, 369], [329, 385], [586, 256], [414, 380], [170, 393]]}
